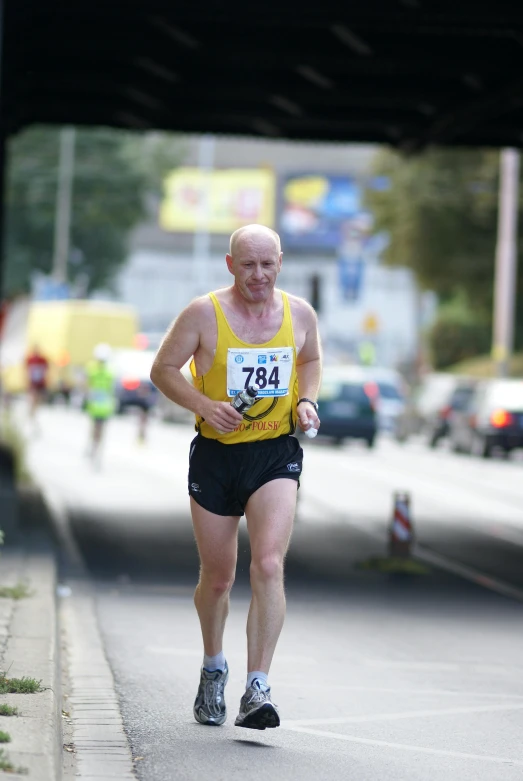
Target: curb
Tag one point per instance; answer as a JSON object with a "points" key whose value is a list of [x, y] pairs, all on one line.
{"points": [[33, 650]]}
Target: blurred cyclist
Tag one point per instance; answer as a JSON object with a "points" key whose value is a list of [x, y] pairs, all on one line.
{"points": [[100, 397], [37, 368]]}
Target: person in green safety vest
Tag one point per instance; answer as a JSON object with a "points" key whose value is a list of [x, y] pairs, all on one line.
{"points": [[100, 404]]}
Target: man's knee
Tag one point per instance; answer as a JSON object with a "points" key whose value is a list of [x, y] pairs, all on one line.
{"points": [[219, 583], [267, 567]]}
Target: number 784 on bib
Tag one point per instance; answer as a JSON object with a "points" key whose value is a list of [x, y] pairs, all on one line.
{"points": [[270, 369]]}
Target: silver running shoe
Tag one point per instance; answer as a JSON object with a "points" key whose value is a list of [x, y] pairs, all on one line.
{"points": [[209, 705], [256, 709]]}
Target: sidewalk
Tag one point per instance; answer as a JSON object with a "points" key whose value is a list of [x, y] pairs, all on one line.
{"points": [[29, 647]]}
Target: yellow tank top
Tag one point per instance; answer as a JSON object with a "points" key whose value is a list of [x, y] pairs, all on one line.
{"points": [[237, 364]]}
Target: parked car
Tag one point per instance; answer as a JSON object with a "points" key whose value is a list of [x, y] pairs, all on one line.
{"points": [[425, 405], [492, 419], [438, 423], [133, 386], [346, 407]]}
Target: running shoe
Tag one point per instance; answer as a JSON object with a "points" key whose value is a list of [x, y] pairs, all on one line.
{"points": [[256, 709], [209, 705]]}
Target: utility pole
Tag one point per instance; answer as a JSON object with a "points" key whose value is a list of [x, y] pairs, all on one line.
{"points": [[202, 236], [62, 225], [506, 262]]}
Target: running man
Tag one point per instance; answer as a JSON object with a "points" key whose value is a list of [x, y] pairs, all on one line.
{"points": [[100, 397], [37, 369], [248, 333]]}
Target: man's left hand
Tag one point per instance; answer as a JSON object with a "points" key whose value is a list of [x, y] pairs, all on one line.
{"points": [[307, 416]]}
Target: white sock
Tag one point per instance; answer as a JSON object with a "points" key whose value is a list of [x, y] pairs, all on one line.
{"points": [[214, 662], [259, 676]]}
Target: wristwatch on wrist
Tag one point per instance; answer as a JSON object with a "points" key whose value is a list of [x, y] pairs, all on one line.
{"points": [[314, 404]]}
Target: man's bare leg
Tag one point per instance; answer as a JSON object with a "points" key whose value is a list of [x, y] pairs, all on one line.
{"points": [[270, 516], [217, 541]]}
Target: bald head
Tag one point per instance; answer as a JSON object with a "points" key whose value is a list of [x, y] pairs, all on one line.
{"points": [[251, 235]]}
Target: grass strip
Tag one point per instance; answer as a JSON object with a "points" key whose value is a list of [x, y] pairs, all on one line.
{"points": [[5, 737], [19, 685], [8, 710], [7, 766], [20, 591]]}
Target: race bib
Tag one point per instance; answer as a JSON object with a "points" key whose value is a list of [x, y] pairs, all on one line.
{"points": [[269, 368]]}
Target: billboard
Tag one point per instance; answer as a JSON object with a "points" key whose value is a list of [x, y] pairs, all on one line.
{"points": [[314, 207], [219, 200]]}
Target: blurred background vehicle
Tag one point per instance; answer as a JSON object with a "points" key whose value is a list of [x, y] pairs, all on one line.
{"points": [[438, 424], [133, 386], [347, 407], [491, 420], [427, 407], [66, 333], [388, 390]]}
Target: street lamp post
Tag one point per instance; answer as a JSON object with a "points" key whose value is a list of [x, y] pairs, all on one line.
{"points": [[506, 262], [62, 227]]}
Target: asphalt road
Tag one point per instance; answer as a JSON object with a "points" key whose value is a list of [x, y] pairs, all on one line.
{"points": [[377, 676]]}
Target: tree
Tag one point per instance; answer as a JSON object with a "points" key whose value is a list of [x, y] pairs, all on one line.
{"points": [[114, 171], [440, 212]]}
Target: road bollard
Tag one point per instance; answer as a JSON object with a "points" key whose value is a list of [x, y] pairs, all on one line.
{"points": [[401, 533]]}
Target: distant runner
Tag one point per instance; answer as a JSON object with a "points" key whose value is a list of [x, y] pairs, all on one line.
{"points": [[100, 406], [37, 369]]}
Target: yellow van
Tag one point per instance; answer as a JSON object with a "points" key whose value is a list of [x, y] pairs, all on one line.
{"points": [[66, 333]]}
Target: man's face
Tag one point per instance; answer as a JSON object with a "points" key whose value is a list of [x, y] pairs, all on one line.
{"points": [[255, 267]]}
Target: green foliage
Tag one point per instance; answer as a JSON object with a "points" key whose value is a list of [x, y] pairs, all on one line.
{"points": [[441, 216], [19, 685], [5, 737], [8, 710], [20, 591], [113, 173], [457, 334]]}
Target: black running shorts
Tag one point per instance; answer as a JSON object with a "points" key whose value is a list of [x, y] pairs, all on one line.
{"points": [[223, 477]]}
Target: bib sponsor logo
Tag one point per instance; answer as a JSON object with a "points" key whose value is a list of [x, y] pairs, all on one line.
{"points": [[262, 359], [274, 358], [259, 425], [285, 357], [239, 359]]}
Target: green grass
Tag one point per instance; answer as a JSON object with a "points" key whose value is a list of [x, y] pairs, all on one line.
{"points": [[7, 766], [8, 710], [5, 737], [484, 367], [12, 437], [20, 591], [19, 685]]}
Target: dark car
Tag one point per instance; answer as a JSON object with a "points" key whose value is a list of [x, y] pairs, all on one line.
{"points": [[346, 409], [133, 386], [492, 419]]}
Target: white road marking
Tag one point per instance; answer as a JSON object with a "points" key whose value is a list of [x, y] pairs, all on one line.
{"points": [[404, 746], [469, 573], [416, 714]]}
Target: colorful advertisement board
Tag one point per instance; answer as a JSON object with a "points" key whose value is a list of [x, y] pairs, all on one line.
{"points": [[314, 208], [219, 201]]}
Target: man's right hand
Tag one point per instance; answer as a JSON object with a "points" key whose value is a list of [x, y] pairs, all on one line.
{"points": [[221, 416]]}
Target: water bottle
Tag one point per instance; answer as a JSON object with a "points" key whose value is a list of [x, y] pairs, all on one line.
{"points": [[245, 398]]}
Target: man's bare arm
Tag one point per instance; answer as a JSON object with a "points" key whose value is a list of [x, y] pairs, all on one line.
{"points": [[178, 347], [308, 368]]}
